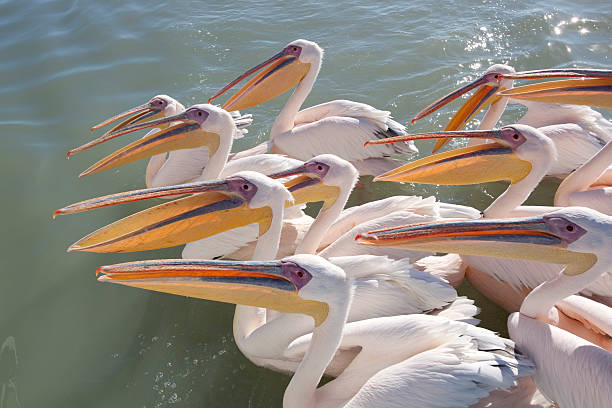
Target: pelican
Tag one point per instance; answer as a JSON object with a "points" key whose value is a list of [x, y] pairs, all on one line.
{"points": [[327, 178], [577, 131], [571, 371], [333, 231], [198, 140], [339, 127], [383, 287], [161, 169], [408, 360], [522, 155], [590, 185], [213, 130]]}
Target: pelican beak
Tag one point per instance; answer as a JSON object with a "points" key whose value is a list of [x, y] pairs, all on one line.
{"points": [[308, 187], [534, 238], [469, 165], [213, 208], [282, 72], [147, 112], [560, 73], [272, 285], [488, 85], [590, 92], [178, 132]]}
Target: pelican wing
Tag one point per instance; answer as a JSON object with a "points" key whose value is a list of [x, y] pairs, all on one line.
{"points": [[344, 108], [571, 371], [343, 131], [261, 148], [353, 216], [346, 244], [519, 273], [421, 360], [575, 145], [386, 287], [181, 166], [599, 199], [263, 163], [221, 244], [593, 315]]}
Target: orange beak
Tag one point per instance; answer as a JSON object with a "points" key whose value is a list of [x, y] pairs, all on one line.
{"points": [[279, 74]]}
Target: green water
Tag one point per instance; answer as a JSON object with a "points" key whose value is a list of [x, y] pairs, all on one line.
{"points": [[66, 65]]}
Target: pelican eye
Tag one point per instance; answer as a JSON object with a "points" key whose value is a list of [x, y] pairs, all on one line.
{"points": [[296, 274], [244, 188], [320, 168], [563, 228], [293, 50], [515, 136]]}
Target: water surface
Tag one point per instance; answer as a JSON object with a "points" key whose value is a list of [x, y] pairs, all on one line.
{"points": [[68, 64]]}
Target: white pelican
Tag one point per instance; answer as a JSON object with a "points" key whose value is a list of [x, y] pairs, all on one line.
{"points": [[590, 185], [383, 287], [213, 130], [339, 127], [577, 131], [333, 231], [522, 155], [161, 167], [327, 178], [414, 360], [198, 140], [571, 371]]}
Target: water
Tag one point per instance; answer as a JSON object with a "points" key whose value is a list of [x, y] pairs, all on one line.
{"points": [[68, 64]]}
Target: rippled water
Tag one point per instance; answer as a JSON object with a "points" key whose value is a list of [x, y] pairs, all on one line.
{"points": [[65, 65]]}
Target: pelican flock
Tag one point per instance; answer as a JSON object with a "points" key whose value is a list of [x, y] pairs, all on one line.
{"points": [[363, 293]]}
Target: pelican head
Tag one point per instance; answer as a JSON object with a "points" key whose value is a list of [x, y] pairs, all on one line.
{"points": [[571, 236], [488, 84], [515, 151], [322, 178], [157, 107], [495, 86], [199, 125], [214, 206], [305, 284], [278, 74]]}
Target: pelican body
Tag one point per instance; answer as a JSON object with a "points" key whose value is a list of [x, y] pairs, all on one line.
{"points": [[414, 360], [571, 371], [519, 154], [577, 131]]}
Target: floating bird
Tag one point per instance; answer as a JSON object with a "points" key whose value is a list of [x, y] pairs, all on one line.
{"points": [[383, 287], [339, 127], [577, 131], [413, 360], [571, 371], [326, 178], [590, 185], [199, 141], [522, 155], [333, 231], [162, 168]]}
